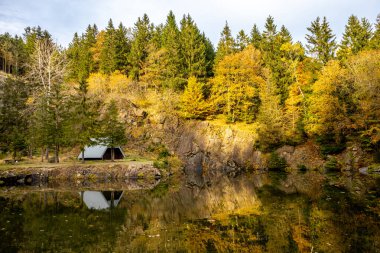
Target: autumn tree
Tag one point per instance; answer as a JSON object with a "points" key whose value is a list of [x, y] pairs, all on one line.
{"points": [[155, 67], [321, 40], [325, 115], [270, 119], [193, 103], [234, 90], [294, 106], [364, 70]]}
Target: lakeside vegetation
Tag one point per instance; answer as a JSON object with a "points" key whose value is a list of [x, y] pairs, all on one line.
{"points": [[282, 91]]}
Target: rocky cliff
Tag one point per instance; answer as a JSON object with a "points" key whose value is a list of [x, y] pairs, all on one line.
{"points": [[208, 149]]}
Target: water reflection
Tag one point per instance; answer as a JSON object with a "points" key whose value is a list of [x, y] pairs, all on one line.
{"points": [[307, 212], [100, 200]]}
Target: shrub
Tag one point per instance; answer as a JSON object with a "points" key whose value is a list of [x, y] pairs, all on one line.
{"points": [[276, 162], [330, 146]]}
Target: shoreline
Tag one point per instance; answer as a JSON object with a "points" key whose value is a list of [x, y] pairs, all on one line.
{"points": [[101, 171]]}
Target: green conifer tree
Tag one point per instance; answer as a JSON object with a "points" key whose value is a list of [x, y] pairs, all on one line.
{"points": [[107, 63], [242, 40], [226, 44], [256, 37], [113, 130], [122, 48], [171, 43], [141, 35], [375, 40], [193, 49], [321, 40], [209, 55], [356, 37]]}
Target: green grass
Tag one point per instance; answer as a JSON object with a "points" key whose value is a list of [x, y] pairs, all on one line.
{"points": [[36, 164]]}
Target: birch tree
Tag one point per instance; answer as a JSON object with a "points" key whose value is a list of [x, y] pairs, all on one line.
{"points": [[46, 71]]}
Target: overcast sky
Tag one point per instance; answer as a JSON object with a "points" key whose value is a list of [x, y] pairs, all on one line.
{"points": [[62, 18]]}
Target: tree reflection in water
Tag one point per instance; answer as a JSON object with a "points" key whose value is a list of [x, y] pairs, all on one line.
{"points": [[307, 212]]}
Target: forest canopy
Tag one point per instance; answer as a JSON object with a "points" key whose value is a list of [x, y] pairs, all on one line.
{"points": [[53, 97]]}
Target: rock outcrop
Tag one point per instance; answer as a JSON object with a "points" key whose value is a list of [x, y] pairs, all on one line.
{"points": [[208, 149]]}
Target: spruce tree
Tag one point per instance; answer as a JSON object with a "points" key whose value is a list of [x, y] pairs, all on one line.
{"points": [[321, 40], [89, 43], [269, 33], [226, 44], [107, 63], [375, 40], [256, 37], [171, 43], [242, 40], [122, 48], [13, 117], [272, 42], [356, 37], [193, 49], [141, 35], [284, 35], [113, 130], [209, 55]]}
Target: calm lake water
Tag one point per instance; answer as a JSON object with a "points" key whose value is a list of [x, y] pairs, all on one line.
{"points": [[274, 212]]}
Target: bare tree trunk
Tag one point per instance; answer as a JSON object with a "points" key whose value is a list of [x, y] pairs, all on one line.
{"points": [[30, 152], [47, 154], [81, 199], [83, 155], [56, 157], [112, 154], [42, 154]]}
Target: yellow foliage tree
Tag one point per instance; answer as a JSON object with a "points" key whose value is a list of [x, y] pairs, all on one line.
{"points": [[293, 113], [154, 68], [325, 113], [234, 87], [118, 82], [193, 104], [365, 73], [100, 84], [270, 121], [96, 50], [97, 84], [293, 110]]}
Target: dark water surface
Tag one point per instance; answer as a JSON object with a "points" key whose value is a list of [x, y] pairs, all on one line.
{"points": [[308, 212]]}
